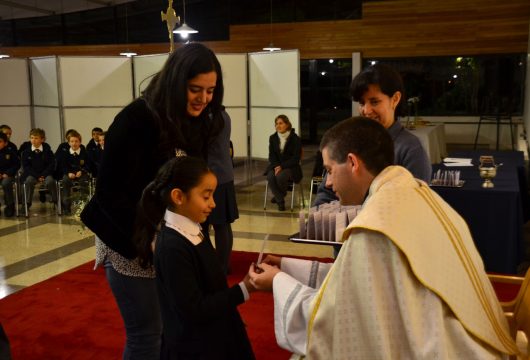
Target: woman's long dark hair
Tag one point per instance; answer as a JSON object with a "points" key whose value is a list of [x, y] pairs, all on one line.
{"points": [[166, 95], [183, 173]]}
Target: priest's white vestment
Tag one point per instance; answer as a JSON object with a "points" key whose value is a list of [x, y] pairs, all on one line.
{"points": [[408, 284]]}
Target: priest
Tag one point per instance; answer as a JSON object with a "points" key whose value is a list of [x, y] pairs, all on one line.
{"points": [[408, 282]]}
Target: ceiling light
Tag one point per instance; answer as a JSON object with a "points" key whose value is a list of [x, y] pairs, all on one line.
{"points": [[271, 46], [127, 52], [184, 30]]}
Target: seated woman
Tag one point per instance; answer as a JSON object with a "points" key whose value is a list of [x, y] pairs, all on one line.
{"points": [[379, 91], [285, 149]]}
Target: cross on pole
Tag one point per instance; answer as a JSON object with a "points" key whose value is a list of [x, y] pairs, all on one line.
{"points": [[171, 19]]}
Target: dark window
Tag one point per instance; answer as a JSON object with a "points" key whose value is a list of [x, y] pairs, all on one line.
{"points": [[446, 86], [463, 85], [324, 95]]}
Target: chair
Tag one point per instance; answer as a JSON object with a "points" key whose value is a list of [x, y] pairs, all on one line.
{"points": [[317, 175], [315, 183], [77, 186], [15, 194], [517, 311], [39, 186], [291, 186]]}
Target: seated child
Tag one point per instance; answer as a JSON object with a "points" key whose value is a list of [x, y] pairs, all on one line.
{"points": [[6, 129], [199, 310], [27, 145], [74, 167], [95, 154], [38, 164], [62, 150], [94, 142], [9, 165]]}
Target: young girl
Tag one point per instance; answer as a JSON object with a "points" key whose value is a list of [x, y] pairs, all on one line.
{"points": [[199, 315]]}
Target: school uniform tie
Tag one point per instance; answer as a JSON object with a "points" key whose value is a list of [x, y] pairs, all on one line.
{"points": [[37, 151]]}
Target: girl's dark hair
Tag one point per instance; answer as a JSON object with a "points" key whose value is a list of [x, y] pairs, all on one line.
{"points": [[285, 119], [166, 95], [384, 76], [183, 173]]}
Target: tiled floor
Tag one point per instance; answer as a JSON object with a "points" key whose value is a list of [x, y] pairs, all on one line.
{"points": [[37, 248]]}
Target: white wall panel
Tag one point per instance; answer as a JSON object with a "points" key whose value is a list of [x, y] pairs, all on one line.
{"points": [[145, 67], [274, 90], [44, 81], [239, 131], [275, 78], [19, 119], [96, 81], [234, 67], [84, 120], [48, 119], [263, 126], [14, 82]]}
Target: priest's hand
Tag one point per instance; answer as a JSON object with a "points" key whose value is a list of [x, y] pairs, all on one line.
{"points": [[273, 260], [263, 280]]}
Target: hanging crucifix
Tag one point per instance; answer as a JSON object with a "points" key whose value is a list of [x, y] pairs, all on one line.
{"points": [[171, 19]]}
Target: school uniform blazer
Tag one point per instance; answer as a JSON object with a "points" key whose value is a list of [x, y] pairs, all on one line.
{"points": [[290, 158], [13, 148], [37, 165], [94, 160], [9, 161], [73, 164], [199, 311], [92, 145], [27, 145]]}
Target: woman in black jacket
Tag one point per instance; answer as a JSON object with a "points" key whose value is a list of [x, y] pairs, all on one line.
{"points": [[175, 116], [285, 149]]}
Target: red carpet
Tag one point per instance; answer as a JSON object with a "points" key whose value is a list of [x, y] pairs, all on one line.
{"points": [[74, 316]]}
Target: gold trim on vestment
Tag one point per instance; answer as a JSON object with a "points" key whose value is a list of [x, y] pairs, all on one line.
{"points": [[472, 272], [318, 299]]}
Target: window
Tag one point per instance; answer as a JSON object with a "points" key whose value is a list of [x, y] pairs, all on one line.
{"points": [[445, 85], [463, 85], [325, 98]]}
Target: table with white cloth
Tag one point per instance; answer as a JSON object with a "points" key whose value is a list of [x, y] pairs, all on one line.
{"points": [[432, 138]]}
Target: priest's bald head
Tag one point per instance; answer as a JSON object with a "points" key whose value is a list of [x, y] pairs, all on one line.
{"points": [[355, 151]]}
